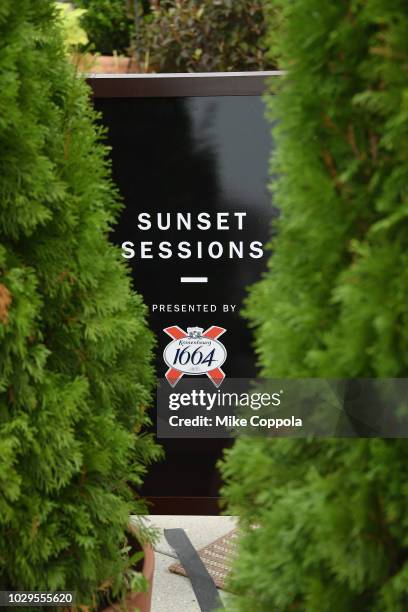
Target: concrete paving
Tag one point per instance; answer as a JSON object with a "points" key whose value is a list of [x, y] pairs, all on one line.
{"points": [[171, 592]]}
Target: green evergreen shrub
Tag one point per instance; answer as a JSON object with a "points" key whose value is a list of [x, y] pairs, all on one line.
{"points": [[332, 529], [75, 373], [109, 25], [190, 36], [73, 33]]}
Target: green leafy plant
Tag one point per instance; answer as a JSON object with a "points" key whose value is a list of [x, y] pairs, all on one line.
{"points": [[75, 352], [189, 36], [331, 530], [132, 579]]}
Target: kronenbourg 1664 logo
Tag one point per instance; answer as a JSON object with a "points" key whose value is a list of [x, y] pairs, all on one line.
{"points": [[195, 352]]}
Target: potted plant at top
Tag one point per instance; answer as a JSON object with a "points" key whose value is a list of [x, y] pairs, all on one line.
{"points": [[110, 26], [75, 351]]}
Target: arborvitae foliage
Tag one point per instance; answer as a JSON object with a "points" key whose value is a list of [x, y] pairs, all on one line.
{"points": [[75, 374], [332, 527]]}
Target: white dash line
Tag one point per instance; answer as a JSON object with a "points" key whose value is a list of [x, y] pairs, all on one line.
{"points": [[194, 279]]}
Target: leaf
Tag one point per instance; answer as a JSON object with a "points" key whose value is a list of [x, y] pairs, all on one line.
{"points": [[135, 558]]}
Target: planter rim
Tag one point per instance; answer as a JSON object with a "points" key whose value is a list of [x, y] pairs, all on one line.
{"points": [[136, 600]]}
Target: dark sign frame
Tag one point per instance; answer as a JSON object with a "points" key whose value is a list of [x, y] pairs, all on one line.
{"points": [[169, 85], [181, 85]]}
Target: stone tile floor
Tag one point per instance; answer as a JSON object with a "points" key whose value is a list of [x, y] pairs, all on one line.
{"points": [[171, 592]]}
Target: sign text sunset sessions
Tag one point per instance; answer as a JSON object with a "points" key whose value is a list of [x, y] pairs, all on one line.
{"points": [[216, 223]]}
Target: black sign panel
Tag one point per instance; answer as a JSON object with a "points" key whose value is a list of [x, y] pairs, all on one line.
{"points": [[193, 172]]}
